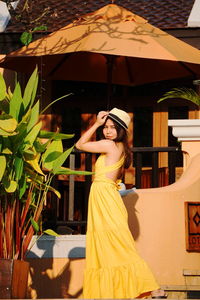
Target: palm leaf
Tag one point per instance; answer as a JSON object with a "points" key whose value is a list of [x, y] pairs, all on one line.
{"points": [[183, 93]]}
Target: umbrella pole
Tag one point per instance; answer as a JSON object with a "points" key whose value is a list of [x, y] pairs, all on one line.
{"points": [[109, 61]]}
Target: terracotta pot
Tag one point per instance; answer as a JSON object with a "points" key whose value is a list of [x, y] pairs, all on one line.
{"points": [[13, 279]]}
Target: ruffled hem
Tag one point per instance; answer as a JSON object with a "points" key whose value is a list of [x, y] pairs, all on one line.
{"points": [[127, 281]]}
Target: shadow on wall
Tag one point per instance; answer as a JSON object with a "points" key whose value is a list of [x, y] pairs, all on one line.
{"points": [[130, 200], [50, 278]]}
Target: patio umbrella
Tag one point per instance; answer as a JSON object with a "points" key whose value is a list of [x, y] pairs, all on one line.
{"points": [[110, 45]]}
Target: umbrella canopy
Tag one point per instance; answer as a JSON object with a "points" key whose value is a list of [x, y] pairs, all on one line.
{"points": [[109, 45]]}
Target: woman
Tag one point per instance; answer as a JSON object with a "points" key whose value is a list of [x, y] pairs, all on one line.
{"points": [[113, 267]]}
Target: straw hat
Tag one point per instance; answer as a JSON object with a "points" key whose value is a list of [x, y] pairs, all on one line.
{"points": [[120, 116]]}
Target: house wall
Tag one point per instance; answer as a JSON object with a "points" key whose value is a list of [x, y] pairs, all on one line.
{"points": [[158, 222]]}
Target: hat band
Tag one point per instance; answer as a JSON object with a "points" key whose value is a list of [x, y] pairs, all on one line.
{"points": [[117, 119]]}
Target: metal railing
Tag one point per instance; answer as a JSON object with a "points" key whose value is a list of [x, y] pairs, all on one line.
{"points": [[139, 151]]}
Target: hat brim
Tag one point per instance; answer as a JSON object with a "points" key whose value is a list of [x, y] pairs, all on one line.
{"points": [[118, 120]]}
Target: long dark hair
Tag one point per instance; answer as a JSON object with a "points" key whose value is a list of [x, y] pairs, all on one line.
{"points": [[122, 136]]}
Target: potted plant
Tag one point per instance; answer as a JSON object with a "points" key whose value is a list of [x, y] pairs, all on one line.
{"points": [[27, 167]]}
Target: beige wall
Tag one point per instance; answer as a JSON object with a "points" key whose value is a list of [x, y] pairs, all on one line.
{"points": [[157, 220]]}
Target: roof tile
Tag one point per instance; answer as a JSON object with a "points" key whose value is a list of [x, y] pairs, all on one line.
{"points": [[163, 14]]}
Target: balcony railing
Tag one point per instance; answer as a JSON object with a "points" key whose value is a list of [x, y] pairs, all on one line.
{"points": [[138, 154], [71, 210]]}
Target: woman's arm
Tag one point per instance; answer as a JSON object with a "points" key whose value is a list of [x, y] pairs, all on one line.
{"points": [[85, 143]]}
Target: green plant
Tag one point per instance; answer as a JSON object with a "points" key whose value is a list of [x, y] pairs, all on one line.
{"points": [[23, 14], [27, 166], [183, 93]]}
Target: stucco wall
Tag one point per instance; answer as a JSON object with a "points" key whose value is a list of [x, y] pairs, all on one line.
{"points": [[157, 221]]}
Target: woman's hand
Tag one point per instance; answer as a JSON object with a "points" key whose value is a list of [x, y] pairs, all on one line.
{"points": [[101, 117]]}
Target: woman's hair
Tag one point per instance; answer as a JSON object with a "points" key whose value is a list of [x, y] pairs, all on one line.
{"points": [[122, 137]]}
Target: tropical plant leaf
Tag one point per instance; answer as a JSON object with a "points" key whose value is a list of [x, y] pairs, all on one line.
{"points": [[16, 102], [8, 123], [34, 164], [53, 151], [30, 90], [6, 145], [10, 186], [5, 133], [35, 86], [17, 141], [22, 186], [18, 164], [35, 177], [30, 153], [7, 151], [34, 116], [50, 232], [53, 102], [183, 93], [3, 166], [54, 135], [67, 171], [61, 159], [2, 88], [35, 224], [57, 193], [39, 146], [32, 135]]}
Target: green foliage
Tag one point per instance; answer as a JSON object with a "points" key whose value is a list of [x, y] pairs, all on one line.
{"points": [[27, 36], [28, 165], [183, 93]]}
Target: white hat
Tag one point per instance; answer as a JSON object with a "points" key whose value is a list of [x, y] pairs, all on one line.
{"points": [[120, 116]]}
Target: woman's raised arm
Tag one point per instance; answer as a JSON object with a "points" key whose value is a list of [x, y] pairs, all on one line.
{"points": [[85, 143]]}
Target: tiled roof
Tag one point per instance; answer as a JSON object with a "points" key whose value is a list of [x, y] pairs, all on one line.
{"points": [[161, 13]]}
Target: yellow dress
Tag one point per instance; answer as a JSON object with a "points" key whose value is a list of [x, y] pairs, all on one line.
{"points": [[113, 267]]}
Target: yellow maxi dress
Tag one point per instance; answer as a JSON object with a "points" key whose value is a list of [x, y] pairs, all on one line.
{"points": [[113, 267]]}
